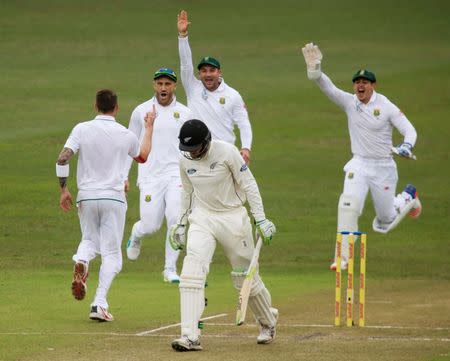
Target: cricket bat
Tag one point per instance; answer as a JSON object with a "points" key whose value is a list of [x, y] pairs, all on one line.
{"points": [[247, 284], [395, 151]]}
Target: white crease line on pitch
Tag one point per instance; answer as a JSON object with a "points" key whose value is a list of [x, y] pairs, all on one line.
{"points": [[377, 327], [144, 333]]}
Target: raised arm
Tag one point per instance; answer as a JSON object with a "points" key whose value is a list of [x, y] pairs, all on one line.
{"points": [[186, 65], [146, 145], [313, 59]]}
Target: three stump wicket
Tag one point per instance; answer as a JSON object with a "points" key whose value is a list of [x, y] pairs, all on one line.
{"points": [[350, 278]]}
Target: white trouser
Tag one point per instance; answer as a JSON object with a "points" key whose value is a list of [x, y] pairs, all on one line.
{"points": [[378, 176], [102, 224], [160, 198], [233, 231]]}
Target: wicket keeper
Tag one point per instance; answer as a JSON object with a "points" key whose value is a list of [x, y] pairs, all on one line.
{"points": [[371, 119]]}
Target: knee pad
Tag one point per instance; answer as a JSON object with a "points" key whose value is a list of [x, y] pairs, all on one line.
{"points": [[348, 213], [193, 274]]}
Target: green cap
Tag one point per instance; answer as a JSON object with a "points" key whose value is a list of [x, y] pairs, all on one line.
{"points": [[209, 60], [364, 74], [168, 73]]}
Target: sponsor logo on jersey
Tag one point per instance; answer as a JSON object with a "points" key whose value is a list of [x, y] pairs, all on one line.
{"points": [[376, 112], [191, 171], [176, 115], [148, 197], [222, 100], [244, 168]]}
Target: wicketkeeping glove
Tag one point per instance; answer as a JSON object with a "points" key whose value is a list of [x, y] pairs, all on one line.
{"points": [[177, 236], [405, 150], [267, 229], [313, 58]]}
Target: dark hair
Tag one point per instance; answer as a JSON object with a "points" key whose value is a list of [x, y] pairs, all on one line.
{"points": [[106, 100]]}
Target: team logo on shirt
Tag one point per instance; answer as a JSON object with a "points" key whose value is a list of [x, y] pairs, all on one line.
{"points": [[148, 197], [176, 115], [222, 100], [244, 168], [191, 171], [350, 175], [376, 112], [213, 165]]}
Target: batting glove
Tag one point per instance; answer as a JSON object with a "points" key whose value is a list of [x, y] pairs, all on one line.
{"points": [[313, 57], [405, 150], [267, 229], [177, 236]]}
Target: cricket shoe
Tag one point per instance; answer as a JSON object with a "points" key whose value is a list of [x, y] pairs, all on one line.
{"points": [[410, 194], [268, 333], [171, 276], [134, 246], [80, 274], [344, 266], [185, 344], [100, 314]]}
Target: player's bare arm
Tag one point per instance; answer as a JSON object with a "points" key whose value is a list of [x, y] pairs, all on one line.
{"points": [[183, 23], [146, 145], [63, 160], [62, 172]]}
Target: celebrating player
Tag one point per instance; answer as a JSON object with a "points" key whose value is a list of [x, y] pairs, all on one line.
{"points": [[103, 147], [159, 177], [371, 118], [217, 177], [211, 100]]}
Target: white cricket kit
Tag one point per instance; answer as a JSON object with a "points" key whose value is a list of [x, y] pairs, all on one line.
{"points": [[220, 109], [215, 189], [104, 146], [372, 166], [159, 177]]}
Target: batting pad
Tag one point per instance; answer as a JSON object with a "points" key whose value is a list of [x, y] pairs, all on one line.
{"points": [[192, 296], [348, 214], [259, 300]]}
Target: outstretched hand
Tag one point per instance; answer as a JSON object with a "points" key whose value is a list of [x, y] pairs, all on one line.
{"points": [[183, 23], [150, 118], [313, 58]]}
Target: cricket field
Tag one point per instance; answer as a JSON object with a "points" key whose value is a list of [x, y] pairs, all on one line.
{"points": [[55, 55]]}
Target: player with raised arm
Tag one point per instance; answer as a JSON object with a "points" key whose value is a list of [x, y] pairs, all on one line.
{"points": [[371, 119], [103, 146], [214, 173], [211, 100], [159, 178]]}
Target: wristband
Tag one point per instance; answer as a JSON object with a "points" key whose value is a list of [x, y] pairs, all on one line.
{"points": [[62, 171]]}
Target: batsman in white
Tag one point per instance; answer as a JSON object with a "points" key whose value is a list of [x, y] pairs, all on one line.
{"points": [[103, 147], [159, 178], [211, 100], [371, 118], [216, 184]]}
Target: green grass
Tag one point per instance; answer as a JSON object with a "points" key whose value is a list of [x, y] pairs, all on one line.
{"points": [[54, 55]]}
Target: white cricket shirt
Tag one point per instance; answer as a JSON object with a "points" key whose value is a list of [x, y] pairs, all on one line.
{"points": [[220, 109], [164, 155], [219, 182], [370, 125], [104, 146]]}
